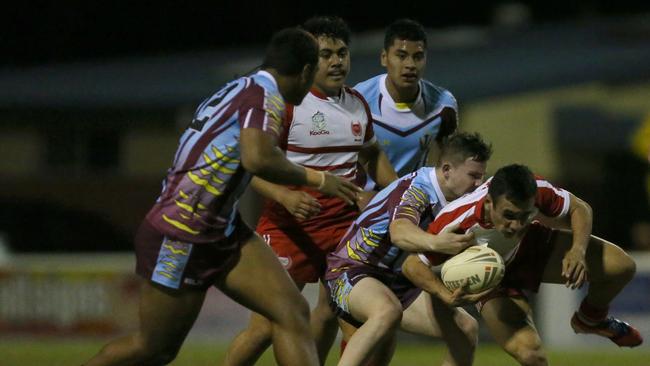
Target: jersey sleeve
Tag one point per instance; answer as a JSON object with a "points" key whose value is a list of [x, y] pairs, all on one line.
{"points": [[550, 200], [369, 137], [461, 217], [412, 203], [283, 141], [262, 111]]}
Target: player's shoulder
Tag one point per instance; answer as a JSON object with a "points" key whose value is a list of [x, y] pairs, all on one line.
{"points": [[437, 97], [467, 201], [370, 86], [356, 96]]}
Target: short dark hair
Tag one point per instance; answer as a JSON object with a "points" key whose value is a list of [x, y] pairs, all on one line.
{"points": [[290, 50], [406, 29], [516, 181], [460, 146], [328, 26]]}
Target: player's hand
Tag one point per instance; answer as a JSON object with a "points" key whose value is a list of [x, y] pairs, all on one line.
{"points": [[461, 296], [340, 187], [300, 204], [448, 242], [574, 268], [363, 198]]}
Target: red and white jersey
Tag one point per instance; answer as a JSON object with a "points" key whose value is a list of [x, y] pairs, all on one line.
{"points": [[467, 213], [326, 134]]}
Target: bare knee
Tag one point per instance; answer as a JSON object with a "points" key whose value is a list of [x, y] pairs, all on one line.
{"points": [[620, 266], [469, 327], [387, 318], [291, 314], [529, 354], [152, 353], [259, 329]]}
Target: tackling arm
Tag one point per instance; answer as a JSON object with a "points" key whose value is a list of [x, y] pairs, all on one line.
{"points": [[261, 157], [409, 237]]}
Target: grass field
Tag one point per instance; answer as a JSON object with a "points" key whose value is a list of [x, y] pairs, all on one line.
{"points": [[68, 353]]}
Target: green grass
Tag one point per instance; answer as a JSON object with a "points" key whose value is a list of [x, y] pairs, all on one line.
{"points": [[68, 352]]}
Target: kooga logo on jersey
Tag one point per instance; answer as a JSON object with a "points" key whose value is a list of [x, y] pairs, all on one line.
{"points": [[318, 125]]}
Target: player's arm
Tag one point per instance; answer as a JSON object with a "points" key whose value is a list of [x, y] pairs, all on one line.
{"points": [[423, 277], [376, 163], [574, 267], [409, 237], [261, 156], [300, 204]]}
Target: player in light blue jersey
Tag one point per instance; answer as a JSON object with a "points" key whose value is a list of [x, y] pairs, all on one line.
{"points": [[410, 115]]}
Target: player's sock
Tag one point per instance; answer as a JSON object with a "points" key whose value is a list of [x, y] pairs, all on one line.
{"points": [[593, 319], [590, 314]]}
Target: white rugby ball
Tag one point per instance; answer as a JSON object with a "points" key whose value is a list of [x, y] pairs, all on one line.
{"points": [[480, 266]]}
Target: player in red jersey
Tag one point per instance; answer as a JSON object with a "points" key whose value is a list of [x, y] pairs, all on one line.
{"points": [[501, 215], [193, 238], [330, 131]]}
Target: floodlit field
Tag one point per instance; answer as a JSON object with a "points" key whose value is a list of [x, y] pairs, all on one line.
{"points": [[68, 353]]}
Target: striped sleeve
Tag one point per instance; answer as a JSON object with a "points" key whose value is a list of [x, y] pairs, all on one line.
{"points": [[262, 111], [411, 205]]}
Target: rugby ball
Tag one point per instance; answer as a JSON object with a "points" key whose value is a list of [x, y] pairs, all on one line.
{"points": [[480, 266]]}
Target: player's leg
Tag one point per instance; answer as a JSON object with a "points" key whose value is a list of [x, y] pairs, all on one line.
{"points": [[323, 324], [166, 317], [371, 302], [509, 320], [382, 355], [259, 282], [431, 317], [609, 270]]}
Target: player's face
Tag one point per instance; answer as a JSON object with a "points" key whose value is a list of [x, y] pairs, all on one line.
{"points": [[404, 61], [333, 65], [465, 177], [509, 217]]}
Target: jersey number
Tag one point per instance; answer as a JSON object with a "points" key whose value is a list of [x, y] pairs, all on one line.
{"points": [[198, 122]]}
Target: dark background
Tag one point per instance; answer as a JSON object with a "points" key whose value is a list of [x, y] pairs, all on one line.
{"points": [[38, 32]]}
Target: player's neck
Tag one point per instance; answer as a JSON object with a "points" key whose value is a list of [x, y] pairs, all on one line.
{"points": [[326, 92], [448, 193], [402, 95]]}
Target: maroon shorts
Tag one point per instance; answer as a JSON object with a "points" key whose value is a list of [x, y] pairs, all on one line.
{"points": [[525, 270], [301, 250], [177, 264], [339, 289]]}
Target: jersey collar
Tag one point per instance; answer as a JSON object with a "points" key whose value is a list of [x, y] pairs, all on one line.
{"points": [[389, 99], [436, 186], [315, 92], [267, 75]]}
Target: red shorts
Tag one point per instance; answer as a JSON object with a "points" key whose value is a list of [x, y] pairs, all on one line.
{"points": [[302, 251], [525, 270], [176, 264]]}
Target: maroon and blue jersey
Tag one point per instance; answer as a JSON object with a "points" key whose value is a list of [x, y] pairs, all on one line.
{"points": [[416, 197], [198, 203]]}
